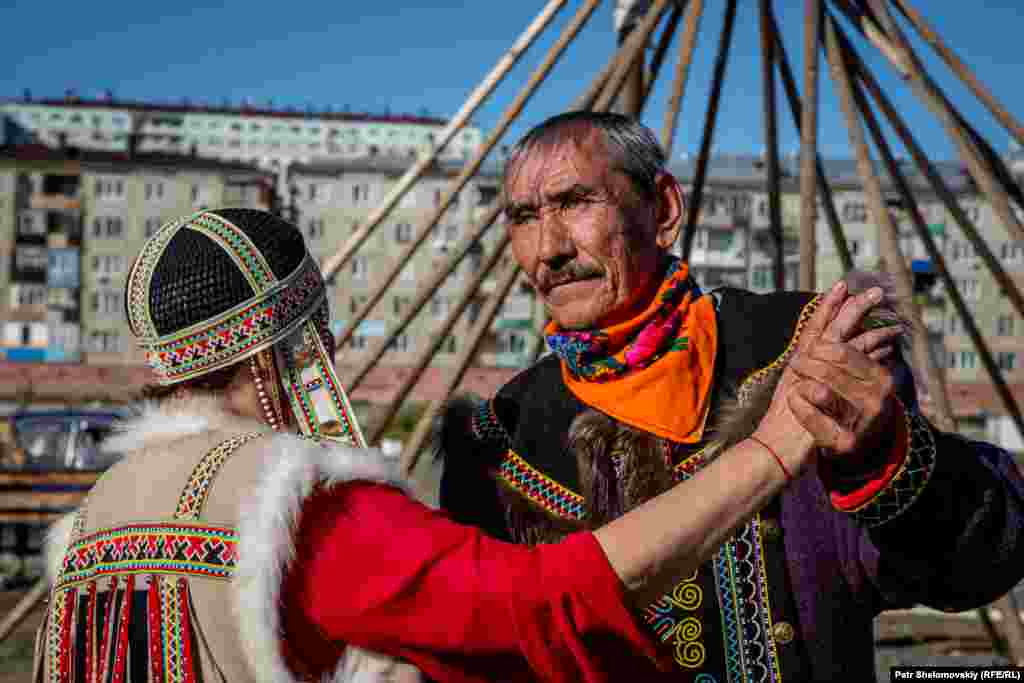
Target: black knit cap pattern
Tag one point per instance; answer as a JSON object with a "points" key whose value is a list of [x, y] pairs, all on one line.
{"points": [[196, 280]]}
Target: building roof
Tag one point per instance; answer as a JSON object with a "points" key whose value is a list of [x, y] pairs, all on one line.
{"points": [[748, 169], [186, 107], [41, 153], [391, 165]]}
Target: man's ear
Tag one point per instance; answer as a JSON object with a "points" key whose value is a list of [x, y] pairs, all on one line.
{"points": [[668, 208]]}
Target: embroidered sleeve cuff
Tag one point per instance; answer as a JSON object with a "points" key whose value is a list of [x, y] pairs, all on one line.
{"points": [[895, 488], [852, 485]]}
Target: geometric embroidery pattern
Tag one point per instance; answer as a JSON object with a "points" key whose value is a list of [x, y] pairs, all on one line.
{"points": [[180, 548], [541, 489], [741, 581], [908, 483], [239, 331], [486, 427], [193, 497]]}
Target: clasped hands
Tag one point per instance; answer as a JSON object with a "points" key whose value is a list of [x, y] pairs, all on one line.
{"points": [[836, 395]]}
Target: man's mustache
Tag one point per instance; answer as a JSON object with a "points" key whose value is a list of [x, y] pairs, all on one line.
{"points": [[572, 272]]}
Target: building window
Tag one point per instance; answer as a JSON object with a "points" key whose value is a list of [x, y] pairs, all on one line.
{"points": [[315, 228], [439, 307], [512, 341], [108, 227], [855, 212], [360, 193], [408, 273], [313, 189], [1006, 360], [109, 188], [761, 277], [154, 190], [973, 212], [965, 360], [108, 265], [448, 345], [969, 288], [954, 325], [854, 246], [1004, 325], [357, 342], [400, 343], [403, 232], [360, 268], [104, 342], [720, 240], [356, 304], [29, 225], [30, 258], [106, 302], [23, 294], [152, 224]]}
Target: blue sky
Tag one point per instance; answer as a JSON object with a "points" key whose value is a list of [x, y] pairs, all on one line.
{"points": [[405, 57]]}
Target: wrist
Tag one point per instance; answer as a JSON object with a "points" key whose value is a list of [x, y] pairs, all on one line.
{"points": [[793, 449]]}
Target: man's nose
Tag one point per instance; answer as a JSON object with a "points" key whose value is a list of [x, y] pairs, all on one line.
{"points": [[555, 247]]}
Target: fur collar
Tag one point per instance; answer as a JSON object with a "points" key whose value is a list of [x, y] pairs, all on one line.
{"points": [[157, 424]]}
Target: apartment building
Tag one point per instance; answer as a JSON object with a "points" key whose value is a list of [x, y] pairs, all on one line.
{"points": [[332, 199], [70, 223], [272, 138]]}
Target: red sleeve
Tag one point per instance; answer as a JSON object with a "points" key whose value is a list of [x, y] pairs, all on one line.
{"points": [[851, 491], [379, 570]]}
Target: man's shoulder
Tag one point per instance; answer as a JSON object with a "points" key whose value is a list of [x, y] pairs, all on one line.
{"points": [[754, 330]]}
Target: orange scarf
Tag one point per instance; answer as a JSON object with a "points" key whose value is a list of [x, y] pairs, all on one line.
{"points": [[653, 372]]}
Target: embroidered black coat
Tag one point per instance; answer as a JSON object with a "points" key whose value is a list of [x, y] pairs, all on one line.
{"points": [[793, 594]]}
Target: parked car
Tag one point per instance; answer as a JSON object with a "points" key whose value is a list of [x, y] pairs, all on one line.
{"points": [[48, 462]]}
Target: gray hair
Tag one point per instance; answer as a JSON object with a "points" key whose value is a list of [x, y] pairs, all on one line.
{"points": [[633, 148]]}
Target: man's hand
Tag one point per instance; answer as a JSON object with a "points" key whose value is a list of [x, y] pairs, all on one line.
{"points": [[841, 394]]}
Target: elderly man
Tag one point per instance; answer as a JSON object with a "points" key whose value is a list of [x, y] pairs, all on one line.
{"points": [[650, 379]]}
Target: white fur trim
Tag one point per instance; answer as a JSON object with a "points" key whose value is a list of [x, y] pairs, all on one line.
{"points": [[266, 547], [58, 540], [172, 419]]}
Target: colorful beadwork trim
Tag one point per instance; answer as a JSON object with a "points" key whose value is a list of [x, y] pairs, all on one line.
{"points": [[193, 497], [175, 637], [238, 246], [741, 583], [539, 488], [239, 332], [762, 375], [181, 548], [137, 290], [908, 483]]}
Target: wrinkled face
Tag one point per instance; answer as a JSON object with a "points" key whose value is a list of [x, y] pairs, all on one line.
{"points": [[587, 240]]}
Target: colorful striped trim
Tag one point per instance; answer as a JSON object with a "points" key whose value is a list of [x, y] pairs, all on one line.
{"points": [[181, 548], [238, 246], [539, 488], [193, 497], [140, 275], [239, 332]]}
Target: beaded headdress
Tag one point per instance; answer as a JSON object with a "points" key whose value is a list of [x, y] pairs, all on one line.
{"points": [[218, 287]]}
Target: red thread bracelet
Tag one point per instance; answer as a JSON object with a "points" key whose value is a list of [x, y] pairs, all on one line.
{"points": [[789, 477]]}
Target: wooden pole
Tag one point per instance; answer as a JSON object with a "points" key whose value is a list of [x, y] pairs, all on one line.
{"points": [[437, 338], [892, 259], [928, 92], [336, 261], [935, 254], [425, 293], [700, 174], [771, 127], [796, 110], [28, 603], [960, 68], [694, 12], [809, 147], [668, 34], [634, 47], [928, 171], [476, 335], [510, 114]]}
